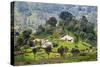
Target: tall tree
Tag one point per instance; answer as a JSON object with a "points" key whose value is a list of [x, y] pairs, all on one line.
{"points": [[34, 50], [52, 21], [26, 33], [66, 16], [61, 51], [40, 29], [84, 19], [48, 49]]}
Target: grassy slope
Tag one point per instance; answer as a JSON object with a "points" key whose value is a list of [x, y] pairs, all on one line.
{"points": [[42, 57]]}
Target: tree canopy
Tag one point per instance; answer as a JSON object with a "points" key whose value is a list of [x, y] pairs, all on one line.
{"points": [[66, 16], [52, 21]]}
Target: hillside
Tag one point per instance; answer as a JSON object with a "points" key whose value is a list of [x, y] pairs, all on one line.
{"points": [[54, 33]]}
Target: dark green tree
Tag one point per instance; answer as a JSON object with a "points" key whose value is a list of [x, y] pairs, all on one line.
{"points": [[34, 50], [66, 16], [18, 43], [66, 49], [75, 51], [77, 37], [84, 20], [49, 30], [23, 40], [48, 49], [26, 33], [61, 24], [40, 30], [52, 21], [61, 51]]}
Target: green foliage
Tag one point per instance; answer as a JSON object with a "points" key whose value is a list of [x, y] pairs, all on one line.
{"points": [[34, 50], [61, 24], [83, 32], [52, 21], [84, 20], [75, 51], [66, 16], [26, 33], [77, 38], [40, 29], [19, 40], [48, 49], [66, 49], [49, 30], [61, 51]]}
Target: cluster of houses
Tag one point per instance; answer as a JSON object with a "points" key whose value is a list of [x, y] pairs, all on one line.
{"points": [[45, 42]]}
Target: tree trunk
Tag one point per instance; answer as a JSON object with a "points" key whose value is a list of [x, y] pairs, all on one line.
{"points": [[34, 56], [48, 57]]}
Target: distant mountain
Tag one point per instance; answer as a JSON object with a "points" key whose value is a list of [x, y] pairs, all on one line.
{"points": [[28, 14]]}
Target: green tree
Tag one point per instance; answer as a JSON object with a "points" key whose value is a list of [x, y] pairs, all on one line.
{"points": [[66, 16], [61, 51], [52, 21], [48, 49], [34, 50], [23, 40], [26, 36], [77, 38], [49, 29], [75, 51], [26, 33], [40, 29], [18, 44], [84, 20], [66, 49], [61, 24]]}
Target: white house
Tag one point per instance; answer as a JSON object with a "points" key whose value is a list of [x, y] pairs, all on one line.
{"points": [[67, 38], [46, 43]]}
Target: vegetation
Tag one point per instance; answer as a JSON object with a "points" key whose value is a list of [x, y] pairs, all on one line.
{"points": [[82, 49], [52, 21]]}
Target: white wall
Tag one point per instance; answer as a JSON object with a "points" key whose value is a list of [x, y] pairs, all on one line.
{"points": [[5, 30]]}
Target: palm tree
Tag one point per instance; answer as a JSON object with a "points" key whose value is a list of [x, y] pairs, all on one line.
{"points": [[61, 51], [34, 50], [48, 49]]}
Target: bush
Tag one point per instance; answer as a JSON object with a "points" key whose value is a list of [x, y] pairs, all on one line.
{"points": [[75, 51]]}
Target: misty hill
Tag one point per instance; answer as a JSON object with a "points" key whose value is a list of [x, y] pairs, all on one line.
{"points": [[31, 15]]}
